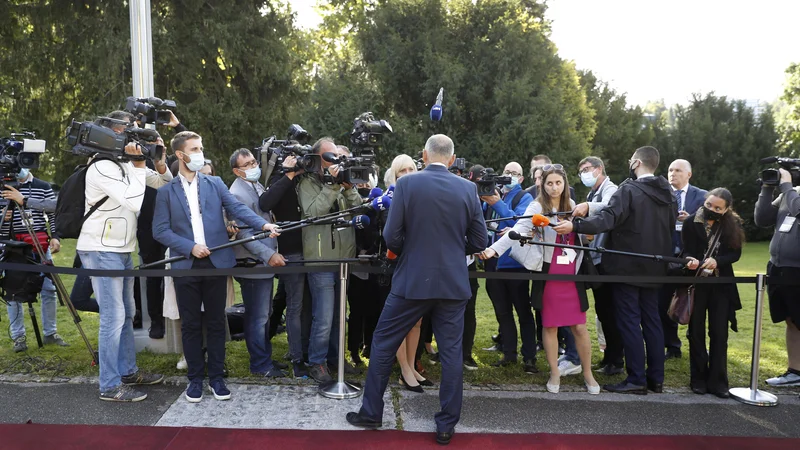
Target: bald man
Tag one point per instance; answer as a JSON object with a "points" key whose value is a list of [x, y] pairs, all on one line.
{"points": [[689, 199]]}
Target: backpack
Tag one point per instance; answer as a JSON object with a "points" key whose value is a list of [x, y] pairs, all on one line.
{"points": [[70, 207]]}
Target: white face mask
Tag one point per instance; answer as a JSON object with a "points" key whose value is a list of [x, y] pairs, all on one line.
{"points": [[252, 174], [588, 178], [514, 183], [196, 161]]}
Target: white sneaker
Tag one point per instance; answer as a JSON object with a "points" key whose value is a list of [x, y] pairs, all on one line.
{"points": [[567, 368], [787, 379], [182, 364]]}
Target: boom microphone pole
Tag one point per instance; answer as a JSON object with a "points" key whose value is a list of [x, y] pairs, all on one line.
{"points": [[556, 213]]}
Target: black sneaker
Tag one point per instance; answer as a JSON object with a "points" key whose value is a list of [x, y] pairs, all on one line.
{"points": [[348, 369], [279, 365], [503, 362], [20, 344], [470, 364], [529, 366], [299, 369], [272, 373], [142, 378], [156, 330], [320, 374], [123, 393], [55, 339]]}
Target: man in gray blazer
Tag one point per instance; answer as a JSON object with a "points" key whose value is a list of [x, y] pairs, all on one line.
{"points": [[256, 289], [435, 220]]}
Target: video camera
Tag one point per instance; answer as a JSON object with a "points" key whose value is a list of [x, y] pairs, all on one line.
{"points": [[772, 177], [459, 166], [273, 152], [366, 139], [88, 138], [16, 154], [150, 109], [488, 182]]}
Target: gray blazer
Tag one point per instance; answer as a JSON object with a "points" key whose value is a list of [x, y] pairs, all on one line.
{"points": [[263, 249]]}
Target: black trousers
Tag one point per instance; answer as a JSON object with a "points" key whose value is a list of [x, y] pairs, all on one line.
{"points": [[155, 287], [671, 340], [508, 296], [709, 369], [604, 307], [279, 307], [470, 320], [363, 297], [211, 293]]}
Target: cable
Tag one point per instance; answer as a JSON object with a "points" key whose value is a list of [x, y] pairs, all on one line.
{"points": [[35, 364]]}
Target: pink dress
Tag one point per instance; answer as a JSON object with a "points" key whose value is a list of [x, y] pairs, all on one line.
{"points": [[561, 306]]}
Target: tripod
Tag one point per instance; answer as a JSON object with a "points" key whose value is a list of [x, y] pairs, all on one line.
{"points": [[63, 295]]}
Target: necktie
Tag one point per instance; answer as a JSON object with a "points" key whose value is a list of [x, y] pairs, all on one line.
{"points": [[679, 199]]}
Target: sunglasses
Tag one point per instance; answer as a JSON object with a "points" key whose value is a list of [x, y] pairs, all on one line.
{"points": [[550, 167]]}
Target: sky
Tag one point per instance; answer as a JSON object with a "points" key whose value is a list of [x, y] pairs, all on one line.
{"points": [[669, 50]]}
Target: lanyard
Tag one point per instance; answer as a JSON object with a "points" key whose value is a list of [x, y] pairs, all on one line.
{"points": [[186, 195]]}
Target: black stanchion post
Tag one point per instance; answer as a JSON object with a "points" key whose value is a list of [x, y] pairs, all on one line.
{"points": [[339, 388], [752, 395]]}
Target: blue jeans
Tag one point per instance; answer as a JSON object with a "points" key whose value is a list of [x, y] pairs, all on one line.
{"points": [[571, 350], [48, 299], [257, 298], [294, 283], [115, 297], [324, 340]]}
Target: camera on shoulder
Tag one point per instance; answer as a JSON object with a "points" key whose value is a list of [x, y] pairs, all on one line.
{"points": [[772, 177], [20, 151], [89, 138], [488, 182]]}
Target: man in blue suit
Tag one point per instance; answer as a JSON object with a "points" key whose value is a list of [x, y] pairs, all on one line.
{"points": [[435, 220], [689, 199], [188, 220]]}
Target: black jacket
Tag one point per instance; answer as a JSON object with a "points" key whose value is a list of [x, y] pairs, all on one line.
{"points": [[640, 217], [281, 199], [695, 245]]}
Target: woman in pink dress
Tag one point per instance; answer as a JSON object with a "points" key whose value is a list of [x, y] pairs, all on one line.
{"points": [[563, 304]]}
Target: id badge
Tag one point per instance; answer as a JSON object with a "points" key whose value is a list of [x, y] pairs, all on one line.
{"points": [[678, 226], [570, 254], [787, 224], [562, 259]]}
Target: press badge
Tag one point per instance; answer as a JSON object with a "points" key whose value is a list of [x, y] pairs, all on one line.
{"points": [[570, 254], [562, 259], [786, 226], [678, 226]]}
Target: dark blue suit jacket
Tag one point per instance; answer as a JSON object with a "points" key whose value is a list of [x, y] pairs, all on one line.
{"points": [[695, 197], [172, 224], [432, 213]]}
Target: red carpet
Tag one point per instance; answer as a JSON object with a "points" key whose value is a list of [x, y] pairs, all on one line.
{"points": [[63, 437]]}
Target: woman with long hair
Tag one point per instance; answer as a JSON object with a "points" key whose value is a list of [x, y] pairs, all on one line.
{"points": [[709, 367]]}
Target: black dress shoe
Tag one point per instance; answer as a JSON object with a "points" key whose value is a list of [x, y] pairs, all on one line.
{"points": [[609, 370], [722, 394], [672, 354], [656, 388], [425, 382], [358, 420], [279, 365], [626, 388], [444, 438], [418, 388], [699, 390]]}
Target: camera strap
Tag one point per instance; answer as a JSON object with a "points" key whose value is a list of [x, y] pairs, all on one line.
{"points": [[270, 167]]}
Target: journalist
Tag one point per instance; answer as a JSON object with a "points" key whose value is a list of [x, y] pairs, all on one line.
{"points": [[784, 264], [36, 199], [640, 217], [107, 241], [256, 289], [189, 220], [319, 194]]}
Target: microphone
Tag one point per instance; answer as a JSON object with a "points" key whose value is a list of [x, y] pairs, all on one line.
{"points": [[332, 158], [436, 110], [390, 191], [514, 236], [539, 220], [357, 222], [375, 193], [770, 160], [381, 203], [390, 255]]}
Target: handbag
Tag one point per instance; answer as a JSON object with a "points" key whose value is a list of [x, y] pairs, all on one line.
{"points": [[682, 304]]}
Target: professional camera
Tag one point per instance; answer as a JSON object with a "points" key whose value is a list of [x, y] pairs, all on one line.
{"points": [[150, 110], [273, 152], [88, 138], [16, 154], [488, 182], [366, 139], [771, 177], [459, 166]]}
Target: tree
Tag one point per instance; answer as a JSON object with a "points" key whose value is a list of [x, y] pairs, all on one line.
{"points": [[788, 115]]}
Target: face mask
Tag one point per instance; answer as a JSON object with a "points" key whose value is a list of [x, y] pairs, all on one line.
{"points": [[632, 173], [588, 179], [711, 215], [23, 174], [252, 174], [364, 192], [514, 183], [196, 161]]}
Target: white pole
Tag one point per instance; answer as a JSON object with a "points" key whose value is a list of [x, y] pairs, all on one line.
{"points": [[141, 48]]}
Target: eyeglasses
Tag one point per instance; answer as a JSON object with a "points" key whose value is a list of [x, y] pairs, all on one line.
{"points": [[587, 169], [251, 165], [552, 167], [511, 173]]}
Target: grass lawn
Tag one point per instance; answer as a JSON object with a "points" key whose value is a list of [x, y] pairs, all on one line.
{"points": [[75, 360]]}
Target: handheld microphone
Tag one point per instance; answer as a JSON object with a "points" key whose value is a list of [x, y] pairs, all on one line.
{"points": [[390, 191], [381, 203], [436, 110], [515, 236], [357, 222], [539, 220], [375, 193], [390, 255]]}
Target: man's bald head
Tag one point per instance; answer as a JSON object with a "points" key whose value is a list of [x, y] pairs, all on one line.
{"points": [[514, 169], [680, 172]]}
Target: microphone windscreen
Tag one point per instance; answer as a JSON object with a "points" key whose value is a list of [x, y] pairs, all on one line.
{"points": [[514, 236], [361, 222], [769, 160], [436, 113], [539, 220], [390, 191], [375, 193], [390, 255], [382, 203], [330, 157]]}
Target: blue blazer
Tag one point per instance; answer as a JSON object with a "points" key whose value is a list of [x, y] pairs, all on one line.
{"points": [[172, 224], [434, 221], [695, 197]]}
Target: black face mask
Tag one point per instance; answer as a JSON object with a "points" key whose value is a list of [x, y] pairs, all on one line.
{"points": [[631, 172], [364, 192], [711, 215]]}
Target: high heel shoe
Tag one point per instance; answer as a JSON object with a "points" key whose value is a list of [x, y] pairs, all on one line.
{"points": [[593, 390], [418, 389], [425, 382], [553, 388]]}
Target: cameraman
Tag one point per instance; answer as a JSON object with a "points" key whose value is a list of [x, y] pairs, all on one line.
{"points": [[318, 197], [281, 200], [107, 241], [784, 264], [36, 199]]}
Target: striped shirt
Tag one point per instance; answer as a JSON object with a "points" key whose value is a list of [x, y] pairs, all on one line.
{"points": [[33, 189]]}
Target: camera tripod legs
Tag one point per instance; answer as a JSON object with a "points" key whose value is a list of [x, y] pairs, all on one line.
{"points": [[32, 312]]}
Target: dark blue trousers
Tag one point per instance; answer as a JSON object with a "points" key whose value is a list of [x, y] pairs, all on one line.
{"points": [[397, 318], [640, 327]]}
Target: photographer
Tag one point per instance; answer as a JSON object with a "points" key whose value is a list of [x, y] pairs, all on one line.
{"points": [[281, 200], [106, 241], [317, 198], [36, 199], [784, 264]]}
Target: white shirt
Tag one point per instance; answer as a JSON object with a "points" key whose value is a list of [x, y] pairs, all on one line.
{"points": [[193, 197], [438, 163], [683, 195]]}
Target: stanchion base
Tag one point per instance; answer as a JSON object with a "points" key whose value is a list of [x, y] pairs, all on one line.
{"points": [[755, 398], [339, 390]]}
